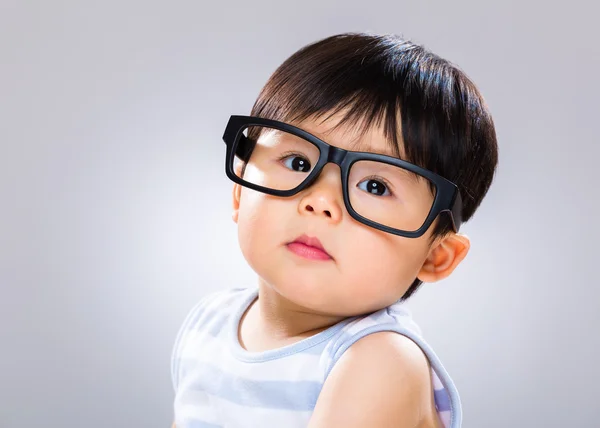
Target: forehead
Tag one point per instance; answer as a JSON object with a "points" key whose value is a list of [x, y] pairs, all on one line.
{"points": [[352, 136]]}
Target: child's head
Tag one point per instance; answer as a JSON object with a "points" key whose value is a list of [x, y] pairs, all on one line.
{"points": [[378, 94]]}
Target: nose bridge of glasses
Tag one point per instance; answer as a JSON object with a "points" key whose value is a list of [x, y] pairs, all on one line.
{"points": [[336, 155]]}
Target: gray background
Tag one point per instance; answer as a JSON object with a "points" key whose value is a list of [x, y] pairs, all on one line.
{"points": [[115, 210]]}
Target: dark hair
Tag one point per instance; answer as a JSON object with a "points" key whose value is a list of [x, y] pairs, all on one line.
{"points": [[445, 123]]}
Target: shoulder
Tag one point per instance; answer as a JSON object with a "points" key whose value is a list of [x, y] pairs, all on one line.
{"points": [[391, 349], [388, 355], [383, 379]]}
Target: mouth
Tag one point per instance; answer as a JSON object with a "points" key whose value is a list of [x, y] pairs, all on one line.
{"points": [[309, 248]]}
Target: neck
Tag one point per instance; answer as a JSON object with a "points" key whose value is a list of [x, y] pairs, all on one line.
{"points": [[280, 321], [286, 319]]}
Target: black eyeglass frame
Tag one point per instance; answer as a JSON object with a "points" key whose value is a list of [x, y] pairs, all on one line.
{"points": [[447, 196]]}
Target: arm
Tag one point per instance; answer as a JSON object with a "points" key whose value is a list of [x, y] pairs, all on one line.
{"points": [[383, 380]]}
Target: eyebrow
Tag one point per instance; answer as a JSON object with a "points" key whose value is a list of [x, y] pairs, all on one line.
{"points": [[393, 152], [360, 146]]}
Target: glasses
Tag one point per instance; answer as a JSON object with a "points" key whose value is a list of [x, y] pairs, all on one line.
{"points": [[379, 191]]}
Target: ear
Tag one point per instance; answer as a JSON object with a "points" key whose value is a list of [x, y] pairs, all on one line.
{"points": [[444, 256], [237, 191], [236, 194]]}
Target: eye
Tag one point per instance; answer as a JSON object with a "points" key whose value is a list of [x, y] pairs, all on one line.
{"points": [[373, 186], [296, 163]]}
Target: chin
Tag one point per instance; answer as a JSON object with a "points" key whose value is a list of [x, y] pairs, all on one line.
{"points": [[311, 293]]}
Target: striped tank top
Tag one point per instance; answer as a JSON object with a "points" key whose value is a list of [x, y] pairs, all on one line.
{"points": [[219, 384]]}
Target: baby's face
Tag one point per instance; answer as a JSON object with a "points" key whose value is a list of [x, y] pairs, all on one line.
{"points": [[369, 269]]}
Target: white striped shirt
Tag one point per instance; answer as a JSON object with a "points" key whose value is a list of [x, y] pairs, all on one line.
{"points": [[218, 384]]}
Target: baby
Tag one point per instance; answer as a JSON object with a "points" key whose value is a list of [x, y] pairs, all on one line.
{"points": [[362, 156]]}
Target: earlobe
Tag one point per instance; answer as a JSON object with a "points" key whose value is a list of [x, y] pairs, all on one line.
{"points": [[236, 194], [444, 257]]}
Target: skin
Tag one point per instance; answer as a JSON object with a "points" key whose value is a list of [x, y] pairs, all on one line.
{"points": [[383, 380]]}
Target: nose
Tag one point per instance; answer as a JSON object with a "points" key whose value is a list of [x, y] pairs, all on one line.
{"points": [[324, 196]]}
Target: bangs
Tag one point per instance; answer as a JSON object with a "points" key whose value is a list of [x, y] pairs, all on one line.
{"points": [[359, 115]]}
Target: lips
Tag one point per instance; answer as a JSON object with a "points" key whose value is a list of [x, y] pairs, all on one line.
{"points": [[311, 242], [309, 247]]}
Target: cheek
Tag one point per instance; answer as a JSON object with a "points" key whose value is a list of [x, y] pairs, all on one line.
{"points": [[259, 218], [383, 267], [250, 221]]}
